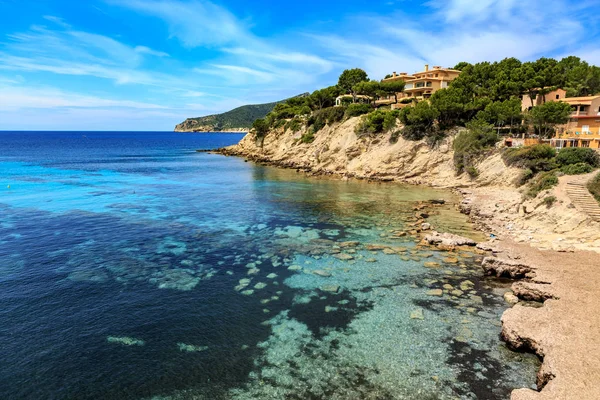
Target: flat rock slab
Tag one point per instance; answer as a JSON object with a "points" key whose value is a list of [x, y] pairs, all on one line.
{"points": [[448, 239]]}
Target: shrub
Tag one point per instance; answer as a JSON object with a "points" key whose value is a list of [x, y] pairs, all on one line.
{"points": [[332, 115], [549, 201], [371, 123], [578, 155], [294, 125], [308, 137], [356, 109], [544, 181], [261, 128], [594, 187], [577, 169], [394, 136], [419, 121], [472, 144], [472, 171], [524, 177], [539, 157], [390, 119]]}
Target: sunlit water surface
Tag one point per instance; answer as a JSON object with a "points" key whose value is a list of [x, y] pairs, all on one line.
{"points": [[133, 267]]}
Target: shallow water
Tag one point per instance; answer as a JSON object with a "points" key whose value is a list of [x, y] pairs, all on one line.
{"points": [[132, 267]]}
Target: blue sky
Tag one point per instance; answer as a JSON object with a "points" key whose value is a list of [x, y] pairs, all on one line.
{"points": [[149, 64]]}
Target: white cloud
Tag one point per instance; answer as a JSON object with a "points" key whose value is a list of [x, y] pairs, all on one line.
{"points": [[149, 51], [194, 23], [461, 30], [23, 97], [57, 21]]}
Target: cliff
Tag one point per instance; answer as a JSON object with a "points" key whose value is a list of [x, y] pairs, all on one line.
{"points": [[492, 199]]}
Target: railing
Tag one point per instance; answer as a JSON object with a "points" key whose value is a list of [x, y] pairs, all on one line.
{"points": [[578, 134]]}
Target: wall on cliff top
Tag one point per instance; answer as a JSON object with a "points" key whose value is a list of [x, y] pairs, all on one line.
{"points": [[337, 149]]}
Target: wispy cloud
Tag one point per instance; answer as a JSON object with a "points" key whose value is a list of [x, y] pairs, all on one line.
{"points": [[461, 30], [194, 23]]}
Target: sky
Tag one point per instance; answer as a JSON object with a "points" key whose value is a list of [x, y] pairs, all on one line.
{"points": [[150, 64]]}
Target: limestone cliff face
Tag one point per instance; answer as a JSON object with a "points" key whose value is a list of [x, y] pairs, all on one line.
{"points": [[336, 149]]}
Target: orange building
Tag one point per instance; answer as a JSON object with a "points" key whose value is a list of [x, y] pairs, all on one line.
{"points": [[420, 85], [583, 128], [527, 103]]}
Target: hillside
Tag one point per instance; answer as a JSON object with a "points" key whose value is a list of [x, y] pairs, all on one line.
{"points": [[238, 119]]}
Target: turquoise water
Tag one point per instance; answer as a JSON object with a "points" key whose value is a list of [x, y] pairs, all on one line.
{"points": [[133, 267]]}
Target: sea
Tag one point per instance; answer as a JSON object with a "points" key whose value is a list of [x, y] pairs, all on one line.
{"points": [[134, 267]]}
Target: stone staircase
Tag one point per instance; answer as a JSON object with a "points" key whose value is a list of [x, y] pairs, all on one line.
{"points": [[582, 198]]}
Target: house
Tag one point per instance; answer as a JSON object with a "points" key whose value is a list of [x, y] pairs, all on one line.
{"points": [[429, 81], [583, 128], [420, 85], [527, 103], [348, 98]]}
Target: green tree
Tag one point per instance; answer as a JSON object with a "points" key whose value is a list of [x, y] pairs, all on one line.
{"points": [[419, 121], [324, 98], [260, 127], [546, 116], [392, 88], [350, 78], [461, 65], [502, 113], [368, 88]]}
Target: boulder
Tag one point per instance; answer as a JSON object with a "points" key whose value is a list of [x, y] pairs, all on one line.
{"points": [[506, 268], [448, 239]]}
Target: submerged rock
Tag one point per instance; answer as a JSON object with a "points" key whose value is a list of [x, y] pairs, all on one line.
{"points": [[343, 256], [330, 288], [417, 314], [320, 272], [190, 348], [435, 292], [125, 340]]}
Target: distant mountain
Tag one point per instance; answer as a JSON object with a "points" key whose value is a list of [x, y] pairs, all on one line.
{"points": [[237, 120]]}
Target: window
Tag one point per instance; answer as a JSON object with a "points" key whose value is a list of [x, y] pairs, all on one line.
{"points": [[436, 75], [557, 96], [585, 128]]}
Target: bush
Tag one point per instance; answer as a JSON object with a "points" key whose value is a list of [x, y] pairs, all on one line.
{"points": [[294, 125], [394, 136], [371, 123], [308, 137], [419, 121], [577, 169], [356, 109], [539, 157], [544, 181], [525, 177], [261, 128], [470, 145], [390, 119], [472, 171], [549, 201], [578, 155], [332, 115], [594, 187]]}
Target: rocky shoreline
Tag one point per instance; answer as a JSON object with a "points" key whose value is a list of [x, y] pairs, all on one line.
{"points": [[558, 275]]}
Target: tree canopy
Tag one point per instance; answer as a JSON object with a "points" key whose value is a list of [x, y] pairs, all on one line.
{"points": [[350, 78]]}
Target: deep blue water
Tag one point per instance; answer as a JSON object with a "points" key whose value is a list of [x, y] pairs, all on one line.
{"points": [[132, 266]]}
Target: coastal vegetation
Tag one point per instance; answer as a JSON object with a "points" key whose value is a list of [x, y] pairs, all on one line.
{"points": [[594, 187], [485, 102], [238, 118], [542, 164]]}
